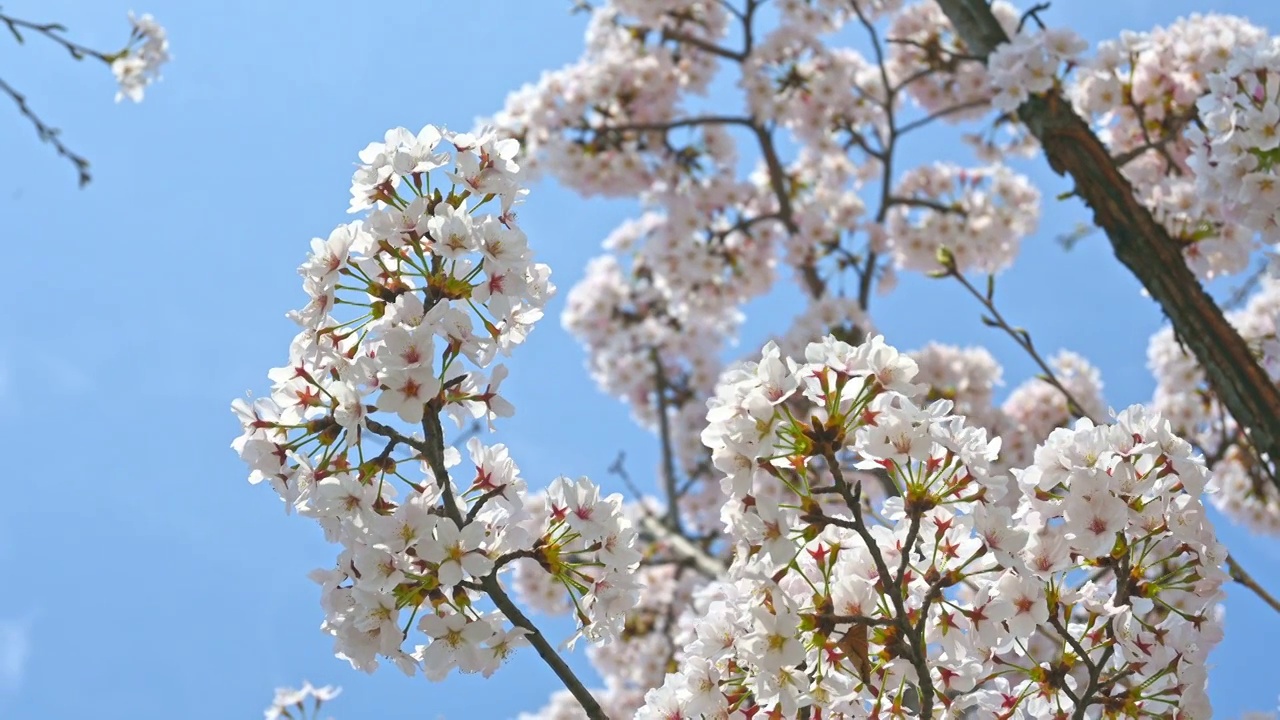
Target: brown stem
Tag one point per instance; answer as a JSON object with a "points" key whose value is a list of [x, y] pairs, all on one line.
{"points": [[892, 584], [664, 437], [1239, 575], [53, 31], [1023, 339], [548, 653], [48, 134], [704, 45]]}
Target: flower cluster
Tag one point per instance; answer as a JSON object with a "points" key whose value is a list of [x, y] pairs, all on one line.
{"points": [[1097, 589], [1029, 63], [1235, 156], [408, 309], [598, 122], [980, 215], [945, 77], [653, 330], [1141, 91], [795, 79], [138, 65], [289, 701]]}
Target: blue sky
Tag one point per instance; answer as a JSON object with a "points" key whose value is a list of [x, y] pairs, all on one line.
{"points": [[144, 577]]}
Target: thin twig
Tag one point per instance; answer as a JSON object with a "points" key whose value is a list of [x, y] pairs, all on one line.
{"points": [[48, 134], [1033, 14], [929, 204], [1239, 575], [921, 122], [1021, 337], [867, 276], [53, 31], [703, 45], [619, 468]]}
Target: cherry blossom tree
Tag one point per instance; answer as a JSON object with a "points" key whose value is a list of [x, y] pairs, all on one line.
{"points": [[135, 66], [844, 529]]}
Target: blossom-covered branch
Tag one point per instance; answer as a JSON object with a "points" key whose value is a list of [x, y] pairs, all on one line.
{"points": [[1141, 243], [413, 303]]}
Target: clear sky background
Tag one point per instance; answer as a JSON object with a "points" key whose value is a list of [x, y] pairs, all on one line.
{"points": [[143, 577]]}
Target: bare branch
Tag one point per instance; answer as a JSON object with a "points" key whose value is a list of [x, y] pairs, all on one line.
{"points": [[53, 31], [48, 134], [921, 122], [1239, 575], [1019, 336]]}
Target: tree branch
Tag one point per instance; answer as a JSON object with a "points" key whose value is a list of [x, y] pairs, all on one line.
{"points": [[852, 496], [548, 653], [689, 553], [1141, 244], [698, 558], [48, 134], [704, 45], [778, 182], [1019, 336], [1239, 575], [691, 121], [664, 438], [432, 448], [53, 31]]}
